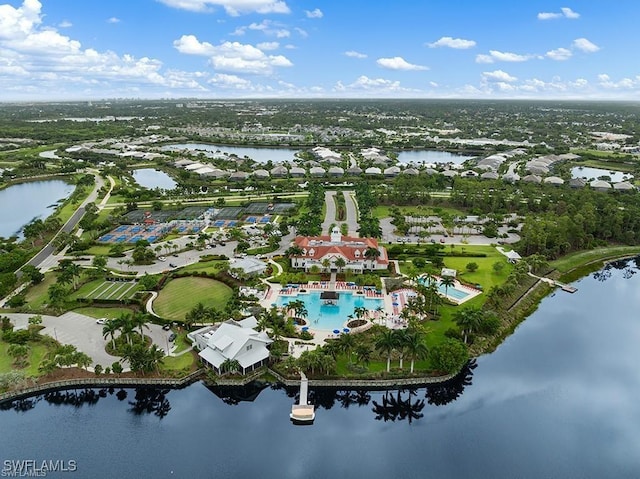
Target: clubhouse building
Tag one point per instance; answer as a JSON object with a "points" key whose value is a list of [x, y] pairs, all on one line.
{"points": [[324, 252]]}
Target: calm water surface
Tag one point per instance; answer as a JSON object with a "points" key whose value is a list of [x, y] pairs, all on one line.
{"points": [[559, 399], [420, 157], [260, 155], [589, 173], [24, 202], [150, 178]]}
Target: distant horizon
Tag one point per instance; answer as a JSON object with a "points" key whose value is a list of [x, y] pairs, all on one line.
{"points": [[65, 50]]}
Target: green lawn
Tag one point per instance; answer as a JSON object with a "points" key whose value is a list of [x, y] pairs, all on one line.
{"points": [[178, 363], [38, 352], [202, 266], [384, 211], [180, 295], [581, 258], [36, 295], [484, 275], [101, 289]]}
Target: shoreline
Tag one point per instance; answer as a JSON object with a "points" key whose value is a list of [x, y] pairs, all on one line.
{"points": [[199, 374]]}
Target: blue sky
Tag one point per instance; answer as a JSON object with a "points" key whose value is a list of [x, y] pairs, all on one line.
{"points": [[92, 49]]}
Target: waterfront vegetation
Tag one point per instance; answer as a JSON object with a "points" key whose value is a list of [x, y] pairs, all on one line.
{"points": [[562, 232]]}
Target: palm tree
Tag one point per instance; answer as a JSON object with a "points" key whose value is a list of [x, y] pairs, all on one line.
{"points": [[140, 320], [447, 282], [109, 329], [360, 311], [363, 353], [468, 320], [230, 366], [326, 264], [340, 263], [372, 254], [346, 343], [416, 349], [401, 342], [386, 343]]}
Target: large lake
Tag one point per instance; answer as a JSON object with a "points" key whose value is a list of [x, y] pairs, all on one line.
{"points": [[150, 178], [558, 399], [259, 155], [24, 202], [281, 155], [427, 157]]}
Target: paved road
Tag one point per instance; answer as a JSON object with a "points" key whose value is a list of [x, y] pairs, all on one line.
{"points": [[352, 212], [42, 257], [82, 332], [330, 212]]}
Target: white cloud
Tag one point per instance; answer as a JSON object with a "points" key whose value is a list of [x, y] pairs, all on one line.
{"points": [[568, 13], [65, 24], [316, 13], [498, 76], [457, 43], [113, 20], [268, 46], [231, 7], [585, 45], [559, 54], [565, 12], [224, 80], [301, 32], [267, 27], [354, 54], [232, 56], [398, 63], [498, 56]]}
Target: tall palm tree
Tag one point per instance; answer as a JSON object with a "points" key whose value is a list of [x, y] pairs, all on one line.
{"points": [[140, 320], [110, 328], [386, 344], [340, 263], [347, 342], [447, 282], [401, 342], [469, 320], [416, 349]]}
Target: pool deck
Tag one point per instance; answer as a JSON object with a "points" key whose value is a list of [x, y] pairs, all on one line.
{"points": [[389, 316]]}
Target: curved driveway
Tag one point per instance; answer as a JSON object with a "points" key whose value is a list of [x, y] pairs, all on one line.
{"points": [[82, 332]]}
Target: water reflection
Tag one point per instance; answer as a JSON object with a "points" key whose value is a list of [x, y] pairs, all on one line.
{"points": [[628, 268]]}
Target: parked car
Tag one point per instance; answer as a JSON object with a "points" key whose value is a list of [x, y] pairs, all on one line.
{"points": [[175, 255], [101, 321], [166, 327], [172, 337], [171, 265], [162, 258]]}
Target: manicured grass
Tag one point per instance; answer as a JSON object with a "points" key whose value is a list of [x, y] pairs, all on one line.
{"points": [[202, 266], [180, 295], [484, 275], [101, 289], [580, 258], [177, 363], [37, 354], [384, 211], [36, 295]]}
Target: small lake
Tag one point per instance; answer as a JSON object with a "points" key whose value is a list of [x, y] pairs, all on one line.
{"points": [[589, 173], [259, 155], [24, 202], [558, 399], [426, 157], [150, 178]]}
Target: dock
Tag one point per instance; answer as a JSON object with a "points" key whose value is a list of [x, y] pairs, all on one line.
{"points": [[303, 413], [568, 288]]}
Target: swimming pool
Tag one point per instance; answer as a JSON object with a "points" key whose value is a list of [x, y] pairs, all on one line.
{"points": [[451, 291], [329, 317]]}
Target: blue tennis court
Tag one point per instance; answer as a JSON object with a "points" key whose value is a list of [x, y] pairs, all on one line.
{"points": [[135, 238], [265, 219], [136, 229], [106, 238], [151, 239], [195, 229], [122, 228], [121, 239], [218, 223], [181, 228], [250, 219], [232, 223]]}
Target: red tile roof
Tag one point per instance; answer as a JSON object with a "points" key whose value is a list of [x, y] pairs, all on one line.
{"points": [[322, 246]]}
